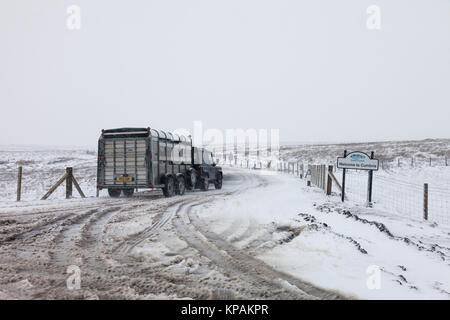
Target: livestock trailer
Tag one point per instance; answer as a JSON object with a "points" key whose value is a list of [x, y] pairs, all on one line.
{"points": [[135, 158]]}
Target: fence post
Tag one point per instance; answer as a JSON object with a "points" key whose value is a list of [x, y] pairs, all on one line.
{"points": [[329, 181], [425, 201], [430, 161], [317, 176], [324, 177], [69, 183], [321, 176], [19, 183], [445, 160], [314, 172]]}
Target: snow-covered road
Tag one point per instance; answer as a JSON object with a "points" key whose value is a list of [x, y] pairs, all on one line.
{"points": [[261, 236]]}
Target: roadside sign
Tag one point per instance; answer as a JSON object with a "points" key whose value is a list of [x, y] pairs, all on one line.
{"points": [[360, 161], [357, 160]]}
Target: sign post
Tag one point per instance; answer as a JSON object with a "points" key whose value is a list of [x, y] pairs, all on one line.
{"points": [[343, 178], [358, 161], [369, 184]]}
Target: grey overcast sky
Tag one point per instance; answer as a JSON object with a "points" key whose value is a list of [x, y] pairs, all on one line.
{"points": [[310, 68]]}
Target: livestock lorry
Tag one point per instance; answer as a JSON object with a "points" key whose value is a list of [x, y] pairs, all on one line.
{"points": [[140, 158]]}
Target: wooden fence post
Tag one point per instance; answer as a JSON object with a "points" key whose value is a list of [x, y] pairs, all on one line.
{"points": [[425, 201], [68, 182], [329, 180], [313, 175], [322, 176], [19, 183], [54, 187], [316, 173], [77, 186], [319, 176]]}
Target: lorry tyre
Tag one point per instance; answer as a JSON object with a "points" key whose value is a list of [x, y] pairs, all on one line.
{"points": [[204, 184], [218, 182], [169, 186], [192, 180], [181, 185], [128, 192], [114, 193]]}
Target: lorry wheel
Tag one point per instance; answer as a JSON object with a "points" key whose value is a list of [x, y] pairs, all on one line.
{"points": [[218, 183], [181, 186], [128, 192], [192, 179], [204, 184], [169, 187], [114, 193]]}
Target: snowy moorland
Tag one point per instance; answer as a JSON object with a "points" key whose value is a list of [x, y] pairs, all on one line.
{"points": [[264, 224]]}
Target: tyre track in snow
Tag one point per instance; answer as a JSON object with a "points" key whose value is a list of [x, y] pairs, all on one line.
{"points": [[52, 209], [191, 287], [136, 239], [268, 282], [110, 268], [46, 226], [166, 216], [73, 235]]}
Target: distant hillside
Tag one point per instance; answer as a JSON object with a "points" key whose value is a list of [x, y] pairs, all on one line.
{"points": [[405, 152]]}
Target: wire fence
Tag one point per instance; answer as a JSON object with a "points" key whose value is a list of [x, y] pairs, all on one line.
{"points": [[400, 196]]}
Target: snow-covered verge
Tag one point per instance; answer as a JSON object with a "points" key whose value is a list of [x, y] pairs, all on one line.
{"points": [[336, 246]]}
